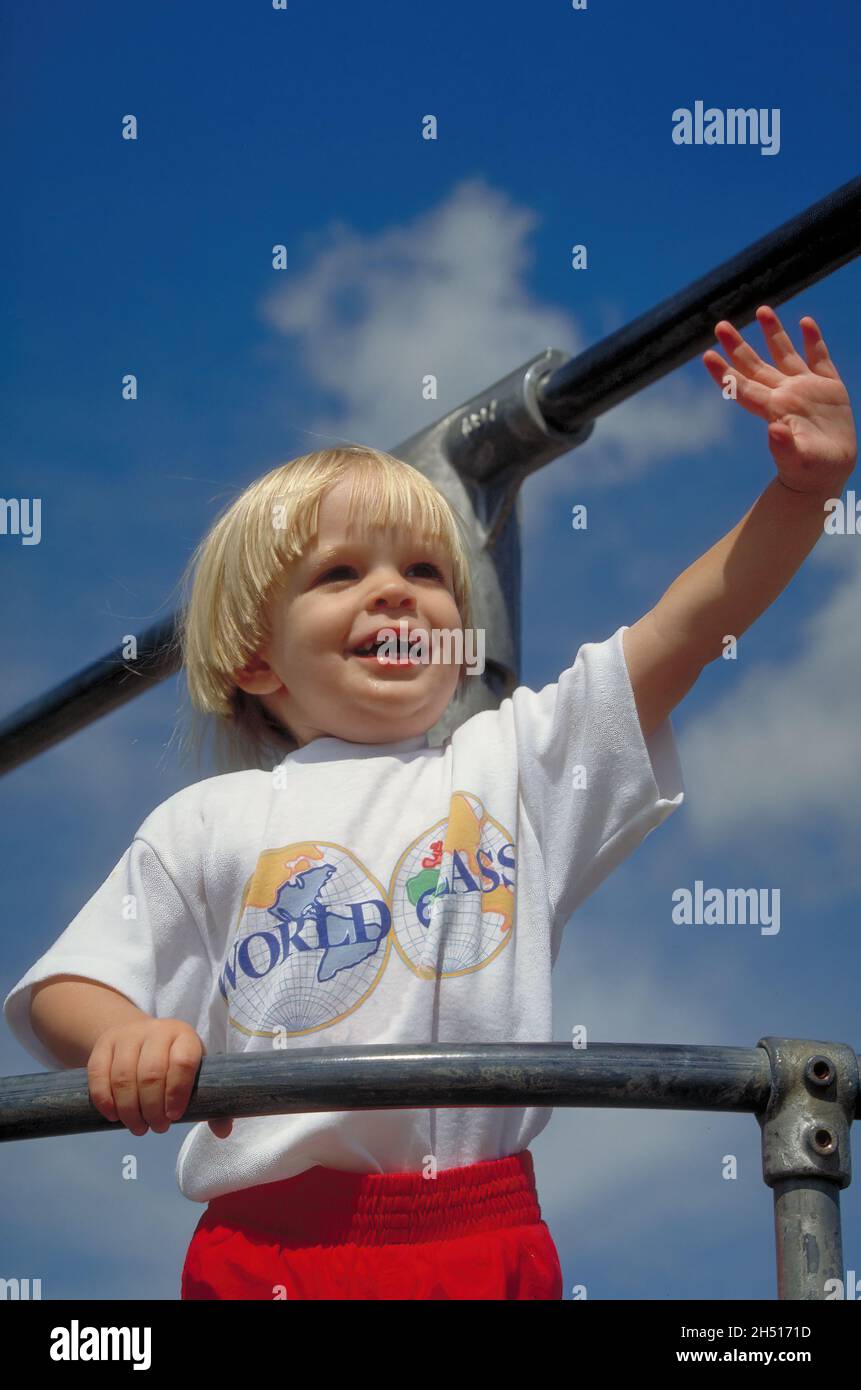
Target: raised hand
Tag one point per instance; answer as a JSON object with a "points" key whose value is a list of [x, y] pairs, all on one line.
{"points": [[811, 431]]}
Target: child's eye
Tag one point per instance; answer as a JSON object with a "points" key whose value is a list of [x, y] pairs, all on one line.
{"points": [[348, 569], [341, 569]]}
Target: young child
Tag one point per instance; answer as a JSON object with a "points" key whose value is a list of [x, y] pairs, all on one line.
{"points": [[371, 888]]}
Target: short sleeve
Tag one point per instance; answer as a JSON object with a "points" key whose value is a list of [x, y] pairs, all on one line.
{"points": [[139, 934], [591, 786]]}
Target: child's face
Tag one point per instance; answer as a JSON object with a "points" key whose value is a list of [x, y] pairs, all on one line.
{"points": [[347, 585]]}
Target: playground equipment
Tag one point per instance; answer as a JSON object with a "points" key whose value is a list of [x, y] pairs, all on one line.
{"points": [[805, 1093]]}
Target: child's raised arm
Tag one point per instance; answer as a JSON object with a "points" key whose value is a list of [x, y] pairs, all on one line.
{"points": [[811, 436]]}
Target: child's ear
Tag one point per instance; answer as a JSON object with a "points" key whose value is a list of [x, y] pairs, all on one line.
{"points": [[258, 678]]}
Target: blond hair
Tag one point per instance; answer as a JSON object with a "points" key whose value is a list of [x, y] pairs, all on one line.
{"points": [[248, 553]]}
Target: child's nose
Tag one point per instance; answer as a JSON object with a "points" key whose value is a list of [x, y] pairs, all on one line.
{"points": [[395, 591]]}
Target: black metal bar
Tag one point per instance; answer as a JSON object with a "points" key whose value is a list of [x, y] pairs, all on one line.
{"points": [[798, 253], [492, 445], [384, 1077], [102, 686]]}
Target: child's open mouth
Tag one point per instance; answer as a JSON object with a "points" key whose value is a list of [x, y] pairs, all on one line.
{"points": [[381, 659], [383, 651]]}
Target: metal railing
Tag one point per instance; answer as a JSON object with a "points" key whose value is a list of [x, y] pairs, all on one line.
{"points": [[803, 1092]]}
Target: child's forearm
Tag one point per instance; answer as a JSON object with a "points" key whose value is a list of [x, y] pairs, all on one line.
{"points": [[68, 1014], [723, 592], [811, 437]]}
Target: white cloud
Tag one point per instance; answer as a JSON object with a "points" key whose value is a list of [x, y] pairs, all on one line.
{"points": [[448, 294], [780, 751], [440, 295]]}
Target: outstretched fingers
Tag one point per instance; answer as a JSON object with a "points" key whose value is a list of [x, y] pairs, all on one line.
{"points": [[780, 344], [818, 357], [743, 357], [751, 394]]}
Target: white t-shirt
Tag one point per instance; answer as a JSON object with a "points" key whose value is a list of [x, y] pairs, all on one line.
{"points": [[363, 893]]}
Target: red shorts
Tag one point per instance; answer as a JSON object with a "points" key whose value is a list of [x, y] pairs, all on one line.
{"points": [[469, 1233]]}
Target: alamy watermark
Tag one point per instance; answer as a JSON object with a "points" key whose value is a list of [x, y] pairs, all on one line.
{"points": [[735, 126], [21, 516], [77, 1343], [843, 517], [727, 907], [454, 646], [20, 1289]]}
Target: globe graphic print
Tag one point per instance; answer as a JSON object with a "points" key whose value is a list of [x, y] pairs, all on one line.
{"points": [[312, 941], [452, 892]]}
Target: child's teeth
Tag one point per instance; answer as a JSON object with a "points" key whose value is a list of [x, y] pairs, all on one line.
{"points": [[403, 648]]}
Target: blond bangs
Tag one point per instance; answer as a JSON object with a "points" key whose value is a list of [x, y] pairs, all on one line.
{"points": [[249, 553]]}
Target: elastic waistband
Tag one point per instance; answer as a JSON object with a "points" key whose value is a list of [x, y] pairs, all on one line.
{"points": [[328, 1206]]}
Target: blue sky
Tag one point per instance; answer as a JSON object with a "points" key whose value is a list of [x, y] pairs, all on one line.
{"points": [[302, 127]]}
